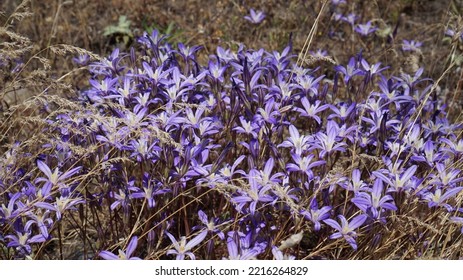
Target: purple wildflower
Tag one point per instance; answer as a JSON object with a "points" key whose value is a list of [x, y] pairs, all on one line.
{"points": [[104, 87], [316, 214], [372, 69], [430, 156], [55, 178], [327, 143], [346, 229], [256, 193], [228, 172], [455, 148], [81, 60], [124, 93], [308, 84], [255, 17], [411, 45], [303, 164], [350, 70], [216, 71], [350, 18], [438, 198], [149, 190], [210, 224], [397, 180], [446, 176], [182, 248], [247, 127], [127, 255], [240, 247], [123, 197], [188, 53], [265, 177], [269, 114], [298, 142], [9, 212], [343, 111], [42, 220], [356, 184], [374, 202], [312, 110], [22, 239], [61, 204], [365, 29]]}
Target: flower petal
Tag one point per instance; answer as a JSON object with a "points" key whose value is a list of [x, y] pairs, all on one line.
{"points": [[108, 255], [44, 168], [195, 241], [357, 221], [131, 246]]}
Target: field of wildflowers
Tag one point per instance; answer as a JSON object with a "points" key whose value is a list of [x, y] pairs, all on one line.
{"points": [[341, 143]]}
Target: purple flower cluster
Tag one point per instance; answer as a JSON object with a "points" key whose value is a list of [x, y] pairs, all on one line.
{"points": [[218, 159]]}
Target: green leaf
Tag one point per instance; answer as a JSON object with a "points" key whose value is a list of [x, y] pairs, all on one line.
{"points": [[123, 27]]}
